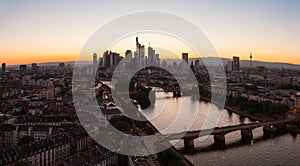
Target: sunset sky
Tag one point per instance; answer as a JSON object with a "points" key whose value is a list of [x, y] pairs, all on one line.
{"points": [[56, 30]]}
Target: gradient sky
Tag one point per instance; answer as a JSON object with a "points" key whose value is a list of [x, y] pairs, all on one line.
{"points": [[56, 30]]}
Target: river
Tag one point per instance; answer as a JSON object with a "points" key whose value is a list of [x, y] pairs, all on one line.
{"points": [[281, 150]]}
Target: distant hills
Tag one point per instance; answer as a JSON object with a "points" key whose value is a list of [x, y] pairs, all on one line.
{"points": [[208, 60], [243, 63]]}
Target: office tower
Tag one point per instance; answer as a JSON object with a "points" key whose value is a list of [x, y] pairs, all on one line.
{"points": [[139, 54], [157, 59], [147, 63], [95, 62], [3, 67], [22, 68], [151, 55], [34, 66], [106, 59], [128, 55], [251, 59], [185, 57], [142, 56], [111, 59], [114, 58], [236, 63], [128, 61], [100, 62], [137, 44]]}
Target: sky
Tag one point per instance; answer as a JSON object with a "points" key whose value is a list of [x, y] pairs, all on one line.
{"points": [[56, 30]]}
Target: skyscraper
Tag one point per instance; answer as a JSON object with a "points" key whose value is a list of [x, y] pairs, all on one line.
{"points": [[142, 56], [95, 61], [106, 59], [157, 59], [150, 55], [111, 59], [236, 63], [34, 66], [185, 57], [137, 44], [139, 54], [3, 67], [128, 55], [22, 68], [114, 59], [100, 61]]}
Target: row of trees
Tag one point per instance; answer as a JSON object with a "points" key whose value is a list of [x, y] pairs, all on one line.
{"points": [[266, 108]]}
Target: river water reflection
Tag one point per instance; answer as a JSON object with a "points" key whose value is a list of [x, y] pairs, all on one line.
{"points": [[281, 150]]}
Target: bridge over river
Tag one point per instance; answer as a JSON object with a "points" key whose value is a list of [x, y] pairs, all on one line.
{"points": [[269, 128]]}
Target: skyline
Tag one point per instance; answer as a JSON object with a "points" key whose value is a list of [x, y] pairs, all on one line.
{"points": [[55, 31]]}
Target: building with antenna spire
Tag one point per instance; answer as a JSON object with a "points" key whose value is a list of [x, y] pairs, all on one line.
{"points": [[139, 54], [251, 59]]}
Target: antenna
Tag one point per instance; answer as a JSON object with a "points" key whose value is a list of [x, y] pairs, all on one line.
{"points": [[251, 59]]}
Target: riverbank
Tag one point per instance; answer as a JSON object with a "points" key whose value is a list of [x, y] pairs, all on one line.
{"points": [[237, 111], [176, 158], [172, 152]]}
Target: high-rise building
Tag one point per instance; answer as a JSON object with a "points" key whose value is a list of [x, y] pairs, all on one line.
{"points": [[106, 59], [114, 59], [147, 63], [22, 68], [185, 57], [100, 62], [236, 63], [142, 56], [150, 55], [157, 59], [128, 55], [34, 66], [95, 61], [139, 54], [137, 44], [111, 59], [3, 67]]}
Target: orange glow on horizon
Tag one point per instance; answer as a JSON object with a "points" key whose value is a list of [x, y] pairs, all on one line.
{"points": [[26, 57], [17, 60]]}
